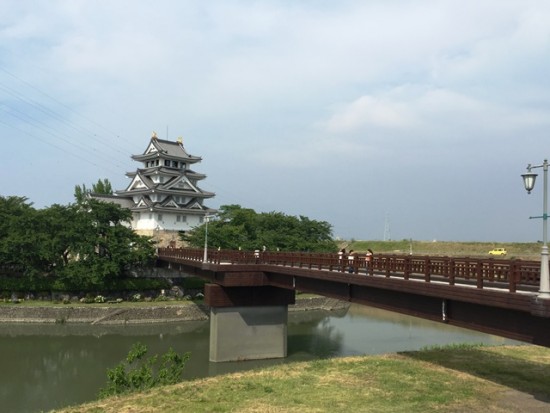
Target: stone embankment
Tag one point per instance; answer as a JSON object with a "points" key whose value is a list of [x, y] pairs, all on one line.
{"points": [[117, 314]]}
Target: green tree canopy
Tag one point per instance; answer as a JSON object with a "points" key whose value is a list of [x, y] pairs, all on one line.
{"points": [[105, 246], [85, 245], [18, 238], [102, 187], [236, 227]]}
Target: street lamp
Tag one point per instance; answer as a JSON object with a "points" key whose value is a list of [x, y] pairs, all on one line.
{"points": [[206, 218], [529, 182], [204, 258]]}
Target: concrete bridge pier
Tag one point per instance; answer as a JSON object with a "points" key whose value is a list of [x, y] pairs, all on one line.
{"points": [[248, 323]]}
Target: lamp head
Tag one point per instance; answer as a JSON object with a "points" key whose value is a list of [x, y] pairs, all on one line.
{"points": [[529, 180]]}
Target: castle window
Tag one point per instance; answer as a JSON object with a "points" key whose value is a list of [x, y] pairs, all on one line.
{"points": [[174, 164], [159, 217], [166, 162]]}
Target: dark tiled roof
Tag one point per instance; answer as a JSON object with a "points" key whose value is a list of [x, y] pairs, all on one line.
{"points": [[168, 149], [124, 202]]}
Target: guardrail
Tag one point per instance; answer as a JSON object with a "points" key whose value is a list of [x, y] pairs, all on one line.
{"points": [[518, 275]]}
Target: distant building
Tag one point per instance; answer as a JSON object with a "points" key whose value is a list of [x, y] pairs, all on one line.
{"points": [[163, 194]]}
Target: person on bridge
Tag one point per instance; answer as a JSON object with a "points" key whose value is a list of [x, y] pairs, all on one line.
{"points": [[351, 261], [368, 260], [341, 255]]}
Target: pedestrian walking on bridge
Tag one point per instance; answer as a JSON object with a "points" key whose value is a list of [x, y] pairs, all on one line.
{"points": [[368, 261], [351, 261]]}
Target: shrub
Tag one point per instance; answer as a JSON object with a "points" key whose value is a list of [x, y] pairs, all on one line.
{"points": [[193, 283], [138, 373]]}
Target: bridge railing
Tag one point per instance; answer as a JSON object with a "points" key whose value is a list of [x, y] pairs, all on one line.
{"points": [[515, 274]]}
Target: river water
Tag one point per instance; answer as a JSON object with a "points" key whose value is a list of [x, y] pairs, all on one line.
{"points": [[45, 367]]}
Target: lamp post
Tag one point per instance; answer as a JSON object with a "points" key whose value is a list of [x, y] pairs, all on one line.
{"points": [[529, 182], [206, 219], [204, 258]]}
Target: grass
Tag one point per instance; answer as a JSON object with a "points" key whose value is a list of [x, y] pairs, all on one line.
{"points": [[441, 248], [449, 379]]}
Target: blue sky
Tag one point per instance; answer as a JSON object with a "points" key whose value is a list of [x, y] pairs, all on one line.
{"points": [[422, 115]]}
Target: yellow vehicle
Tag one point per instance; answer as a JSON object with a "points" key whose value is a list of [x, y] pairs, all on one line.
{"points": [[498, 251]]}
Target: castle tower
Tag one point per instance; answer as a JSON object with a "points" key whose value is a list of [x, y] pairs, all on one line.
{"points": [[164, 195]]}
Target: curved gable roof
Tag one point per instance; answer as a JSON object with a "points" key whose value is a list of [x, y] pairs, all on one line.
{"points": [[167, 149]]}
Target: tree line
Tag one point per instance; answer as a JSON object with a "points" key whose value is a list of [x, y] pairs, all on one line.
{"points": [[89, 244], [84, 245], [235, 227]]}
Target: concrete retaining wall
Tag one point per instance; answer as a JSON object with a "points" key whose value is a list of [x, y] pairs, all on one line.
{"points": [[115, 314], [102, 315]]}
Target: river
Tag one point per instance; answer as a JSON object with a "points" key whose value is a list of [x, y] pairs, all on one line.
{"points": [[49, 366]]}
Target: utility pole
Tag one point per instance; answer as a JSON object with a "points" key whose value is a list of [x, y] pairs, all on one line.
{"points": [[387, 236]]}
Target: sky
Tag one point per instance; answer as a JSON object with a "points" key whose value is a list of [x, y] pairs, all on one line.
{"points": [[388, 119]]}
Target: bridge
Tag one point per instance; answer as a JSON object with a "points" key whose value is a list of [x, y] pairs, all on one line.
{"points": [[248, 293]]}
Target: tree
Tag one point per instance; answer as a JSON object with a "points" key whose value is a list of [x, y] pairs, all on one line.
{"points": [[80, 193], [102, 187], [105, 246], [18, 239], [63, 225], [238, 227], [80, 245]]}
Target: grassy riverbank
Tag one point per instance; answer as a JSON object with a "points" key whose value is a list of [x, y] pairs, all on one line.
{"points": [[525, 250], [451, 379]]}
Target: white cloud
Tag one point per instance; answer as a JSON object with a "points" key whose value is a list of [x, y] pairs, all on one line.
{"points": [[371, 111]]}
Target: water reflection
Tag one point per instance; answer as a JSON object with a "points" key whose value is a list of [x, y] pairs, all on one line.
{"points": [[50, 366], [314, 337]]}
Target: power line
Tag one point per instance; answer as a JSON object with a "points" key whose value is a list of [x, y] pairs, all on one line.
{"points": [[56, 134], [44, 119], [87, 160]]}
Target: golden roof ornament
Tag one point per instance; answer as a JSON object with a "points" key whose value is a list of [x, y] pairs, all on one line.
{"points": [[154, 135]]}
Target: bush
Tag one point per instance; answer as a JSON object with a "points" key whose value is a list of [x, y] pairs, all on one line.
{"points": [[193, 283], [137, 373]]}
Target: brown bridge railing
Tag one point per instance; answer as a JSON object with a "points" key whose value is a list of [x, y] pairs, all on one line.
{"points": [[515, 275]]}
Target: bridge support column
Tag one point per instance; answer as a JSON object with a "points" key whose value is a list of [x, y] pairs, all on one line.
{"points": [[247, 323]]}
